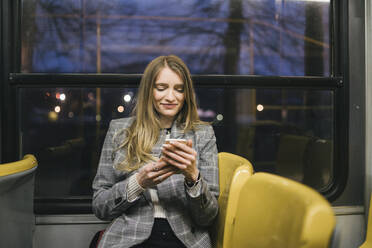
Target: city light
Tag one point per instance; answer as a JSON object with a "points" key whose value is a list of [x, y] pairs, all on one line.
{"points": [[260, 107], [98, 117], [52, 116], [57, 109], [120, 109], [219, 117], [127, 98], [62, 97]]}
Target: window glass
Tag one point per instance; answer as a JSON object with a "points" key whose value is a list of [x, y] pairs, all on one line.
{"points": [[262, 37], [287, 132]]}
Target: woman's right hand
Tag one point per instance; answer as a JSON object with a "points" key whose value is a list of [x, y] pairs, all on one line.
{"points": [[154, 173]]}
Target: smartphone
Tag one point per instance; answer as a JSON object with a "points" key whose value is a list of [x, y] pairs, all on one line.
{"points": [[168, 141]]}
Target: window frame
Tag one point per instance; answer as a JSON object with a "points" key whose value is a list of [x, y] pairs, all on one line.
{"points": [[12, 80]]}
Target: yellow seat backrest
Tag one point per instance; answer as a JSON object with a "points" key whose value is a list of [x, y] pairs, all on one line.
{"points": [[276, 212], [17, 202], [28, 162], [229, 164], [368, 242]]}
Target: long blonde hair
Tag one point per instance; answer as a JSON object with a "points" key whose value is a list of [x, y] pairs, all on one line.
{"points": [[143, 133]]}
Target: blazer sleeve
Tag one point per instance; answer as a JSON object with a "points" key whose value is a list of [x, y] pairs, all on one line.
{"points": [[109, 193], [204, 207]]}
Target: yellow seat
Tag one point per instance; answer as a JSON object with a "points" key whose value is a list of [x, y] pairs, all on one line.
{"points": [[28, 162], [368, 242], [276, 212], [16, 202], [229, 166]]}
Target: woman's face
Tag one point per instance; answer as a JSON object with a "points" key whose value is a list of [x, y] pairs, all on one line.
{"points": [[169, 95]]}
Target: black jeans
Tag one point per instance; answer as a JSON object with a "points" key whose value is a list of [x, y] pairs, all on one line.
{"points": [[161, 236]]}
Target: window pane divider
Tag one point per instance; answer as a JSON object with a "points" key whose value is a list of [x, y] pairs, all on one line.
{"points": [[125, 80]]}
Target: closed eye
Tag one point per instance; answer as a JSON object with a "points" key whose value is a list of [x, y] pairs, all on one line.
{"points": [[161, 87], [181, 90]]}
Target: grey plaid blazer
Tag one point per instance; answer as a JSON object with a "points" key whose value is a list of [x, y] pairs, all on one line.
{"points": [[132, 221]]}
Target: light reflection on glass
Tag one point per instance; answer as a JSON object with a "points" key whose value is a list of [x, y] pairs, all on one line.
{"points": [[62, 97], [52, 116], [120, 109], [260, 107], [127, 98]]}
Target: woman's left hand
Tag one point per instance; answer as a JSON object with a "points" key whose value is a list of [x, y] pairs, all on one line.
{"points": [[182, 156]]}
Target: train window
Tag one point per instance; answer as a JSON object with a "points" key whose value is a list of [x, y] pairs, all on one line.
{"points": [[287, 132], [286, 128], [261, 37]]}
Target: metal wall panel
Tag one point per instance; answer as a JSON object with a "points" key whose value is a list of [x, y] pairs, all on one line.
{"points": [[368, 110], [353, 193]]}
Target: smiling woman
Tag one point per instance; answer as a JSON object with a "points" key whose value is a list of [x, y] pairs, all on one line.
{"points": [[146, 187]]}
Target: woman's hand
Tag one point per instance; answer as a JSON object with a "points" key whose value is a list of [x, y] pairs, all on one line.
{"points": [[182, 157], [154, 173]]}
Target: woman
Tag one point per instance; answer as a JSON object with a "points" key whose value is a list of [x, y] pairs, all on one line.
{"points": [[157, 194]]}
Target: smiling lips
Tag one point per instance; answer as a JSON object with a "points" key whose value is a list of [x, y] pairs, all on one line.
{"points": [[169, 105]]}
